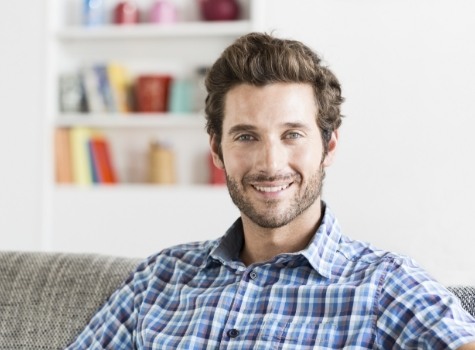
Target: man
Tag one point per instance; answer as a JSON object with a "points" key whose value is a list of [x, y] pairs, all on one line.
{"points": [[283, 276]]}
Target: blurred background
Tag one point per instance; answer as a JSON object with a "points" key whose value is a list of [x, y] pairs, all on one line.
{"points": [[76, 72]]}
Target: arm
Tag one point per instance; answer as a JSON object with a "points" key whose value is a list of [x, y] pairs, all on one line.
{"points": [[111, 327], [418, 312], [470, 346], [114, 325]]}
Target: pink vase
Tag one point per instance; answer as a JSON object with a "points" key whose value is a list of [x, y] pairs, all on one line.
{"points": [[219, 10], [163, 11]]}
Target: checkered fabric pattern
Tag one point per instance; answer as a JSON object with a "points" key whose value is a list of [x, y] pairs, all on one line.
{"points": [[337, 293]]}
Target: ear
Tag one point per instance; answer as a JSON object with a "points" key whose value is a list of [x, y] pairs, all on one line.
{"points": [[332, 145], [214, 147]]}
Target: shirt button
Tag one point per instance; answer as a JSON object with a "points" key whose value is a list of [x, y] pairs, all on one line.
{"points": [[253, 275], [233, 333]]}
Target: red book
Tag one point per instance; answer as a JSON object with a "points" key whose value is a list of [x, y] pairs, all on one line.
{"points": [[101, 160]]}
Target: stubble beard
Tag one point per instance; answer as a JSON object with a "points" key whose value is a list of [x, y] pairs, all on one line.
{"points": [[273, 219]]}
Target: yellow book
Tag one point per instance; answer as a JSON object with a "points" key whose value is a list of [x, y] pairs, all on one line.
{"points": [[119, 85], [81, 161]]}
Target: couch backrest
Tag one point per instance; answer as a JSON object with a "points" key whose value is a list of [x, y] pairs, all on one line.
{"points": [[466, 294], [46, 299]]}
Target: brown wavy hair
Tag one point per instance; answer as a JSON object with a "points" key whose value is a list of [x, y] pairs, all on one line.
{"points": [[260, 59]]}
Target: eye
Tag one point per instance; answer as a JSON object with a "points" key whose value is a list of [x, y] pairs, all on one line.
{"points": [[293, 135], [245, 138]]}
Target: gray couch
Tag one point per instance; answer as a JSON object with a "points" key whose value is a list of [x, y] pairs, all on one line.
{"points": [[47, 298]]}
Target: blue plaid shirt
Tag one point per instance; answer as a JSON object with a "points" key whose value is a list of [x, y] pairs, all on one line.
{"points": [[337, 293]]}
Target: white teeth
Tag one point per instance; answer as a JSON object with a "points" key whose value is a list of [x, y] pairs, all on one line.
{"points": [[271, 189]]}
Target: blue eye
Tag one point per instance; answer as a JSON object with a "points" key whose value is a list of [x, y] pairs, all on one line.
{"points": [[245, 137], [293, 135]]}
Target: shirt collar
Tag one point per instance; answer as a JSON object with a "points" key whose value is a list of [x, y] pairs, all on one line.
{"points": [[319, 253], [321, 250], [226, 250]]}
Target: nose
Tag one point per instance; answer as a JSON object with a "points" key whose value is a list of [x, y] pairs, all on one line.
{"points": [[271, 157]]}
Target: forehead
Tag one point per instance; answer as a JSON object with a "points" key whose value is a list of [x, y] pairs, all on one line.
{"points": [[272, 103]]}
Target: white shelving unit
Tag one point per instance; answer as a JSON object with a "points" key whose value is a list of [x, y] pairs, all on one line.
{"points": [[101, 218], [191, 29], [132, 120]]}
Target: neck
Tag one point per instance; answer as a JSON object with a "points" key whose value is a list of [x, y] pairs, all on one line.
{"points": [[262, 244]]}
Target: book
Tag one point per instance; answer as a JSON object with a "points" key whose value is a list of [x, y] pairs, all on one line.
{"points": [[93, 167], [62, 155], [104, 87], [119, 86], [81, 164], [103, 170], [94, 99]]}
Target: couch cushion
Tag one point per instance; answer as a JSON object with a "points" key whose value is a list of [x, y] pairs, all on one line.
{"points": [[46, 299]]}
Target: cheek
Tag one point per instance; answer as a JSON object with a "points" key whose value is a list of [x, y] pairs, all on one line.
{"points": [[305, 159], [237, 161]]}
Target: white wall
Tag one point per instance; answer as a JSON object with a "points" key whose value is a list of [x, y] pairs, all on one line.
{"points": [[403, 179], [21, 59]]}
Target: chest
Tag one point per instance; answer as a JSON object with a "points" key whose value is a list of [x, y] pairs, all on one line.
{"points": [[255, 310]]}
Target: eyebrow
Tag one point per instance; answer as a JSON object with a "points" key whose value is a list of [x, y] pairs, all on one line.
{"points": [[240, 128], [296, 125], [248, 127]]}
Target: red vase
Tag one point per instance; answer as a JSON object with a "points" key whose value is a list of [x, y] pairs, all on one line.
{"points": [[219, 10], [126, 12]]}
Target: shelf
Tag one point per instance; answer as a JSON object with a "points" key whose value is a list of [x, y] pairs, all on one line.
{"points": [[133, 212], [137, 188], [185, 29], [131, 120]]}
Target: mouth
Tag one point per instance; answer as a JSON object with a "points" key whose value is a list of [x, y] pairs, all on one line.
{"points": [[272, 188]]}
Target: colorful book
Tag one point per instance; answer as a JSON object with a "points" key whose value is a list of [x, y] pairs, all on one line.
{"points": [[102, 166], [119, 86], [93, 167], [103, 85], [81, 164], [94, 99], [62, 151]]}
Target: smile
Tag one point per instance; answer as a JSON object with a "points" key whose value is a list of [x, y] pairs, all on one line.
{"points": [[270, 189]]}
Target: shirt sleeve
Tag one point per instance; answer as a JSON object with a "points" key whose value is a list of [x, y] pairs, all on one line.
{"points": [[114, 324], [416, 312]]}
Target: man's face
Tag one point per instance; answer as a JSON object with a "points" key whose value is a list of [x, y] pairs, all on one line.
{"points": [[272, 152]]}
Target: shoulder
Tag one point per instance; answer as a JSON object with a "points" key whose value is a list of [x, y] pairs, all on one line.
{"points": [[181, 258], [193, 253], [353, 256], [365, 253], [188, 254], [389, 270]]}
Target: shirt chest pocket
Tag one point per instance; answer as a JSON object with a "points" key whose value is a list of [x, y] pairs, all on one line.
{"points": [[300, 335]]}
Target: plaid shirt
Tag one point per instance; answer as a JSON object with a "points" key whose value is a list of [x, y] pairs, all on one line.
{"points": [[337, 293]]}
